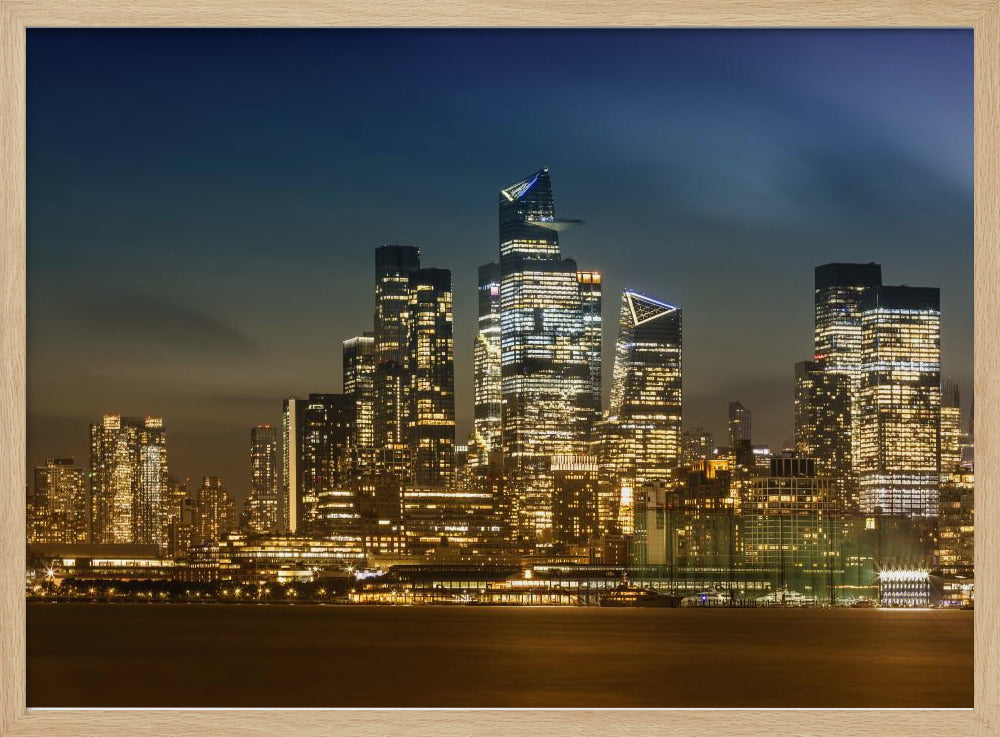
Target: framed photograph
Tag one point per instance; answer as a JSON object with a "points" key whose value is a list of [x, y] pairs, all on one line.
{"points": [[446, 369]]}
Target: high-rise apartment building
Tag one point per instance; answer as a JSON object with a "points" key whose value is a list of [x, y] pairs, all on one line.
{"points": [[318, 453], [394, 266], [899, 401], [128, 461], [576, 490], [486, 357], [951, 429], [646, 390], [823, 426], [590, 306], [61, 500], [431, 369], [216, 512], [546, 385], [359, 384], [261, 512]]}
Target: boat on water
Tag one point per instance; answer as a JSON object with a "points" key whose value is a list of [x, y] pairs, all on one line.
{"points": [[627, 595]]}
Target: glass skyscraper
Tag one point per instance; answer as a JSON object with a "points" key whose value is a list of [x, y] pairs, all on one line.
{"points": [[546, 385], [823, 426], [486, 427], [646, 391], [359, 384], [899, 400]]}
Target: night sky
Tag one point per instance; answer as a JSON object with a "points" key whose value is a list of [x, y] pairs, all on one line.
{"points": [[203, 206]]}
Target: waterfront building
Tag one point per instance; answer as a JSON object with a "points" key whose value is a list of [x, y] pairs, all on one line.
{"points": [[900, 401], [546, 384], [956, 526], [447, 519], [486, 357], [359, 385], [216, 512], [60, 503], [261, 511], [128, 467], [318, 453], [790, 528]]}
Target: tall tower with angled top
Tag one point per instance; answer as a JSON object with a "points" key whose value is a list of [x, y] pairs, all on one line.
{"points": [[545, 365], [646, 390]]}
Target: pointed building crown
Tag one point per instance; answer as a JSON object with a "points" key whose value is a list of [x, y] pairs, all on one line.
{"points": [[644, 308]]}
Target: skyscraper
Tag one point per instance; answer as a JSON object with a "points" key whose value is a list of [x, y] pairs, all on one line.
{"points": [[838, 291], [359, 384], [486, 426], [317, 447], [740, 425], [646, 390], [128, 462], [546, 385], [590, 306], [393, 267], [823, 426], [215, 511], [900, 401], [951, 429], [431, 369], [262, 502], [62, 499]]}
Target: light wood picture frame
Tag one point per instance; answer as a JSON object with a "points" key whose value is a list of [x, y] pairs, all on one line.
{"points": [[983, 16]]}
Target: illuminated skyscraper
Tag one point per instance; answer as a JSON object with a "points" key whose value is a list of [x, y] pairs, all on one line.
{"points": [[546, 385], [590, 304], [61, 498], [393, 267], [317, 448], [900, 401], [431, 370], [575, 512], [646, 390], [359, 384], [128, 466], [740, 425], [951, 429], [839, 289], [216, 514], [261, 513], [823, 426], [486, 428]]}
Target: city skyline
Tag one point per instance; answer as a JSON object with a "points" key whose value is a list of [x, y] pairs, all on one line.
{"points": [[208, 419]]}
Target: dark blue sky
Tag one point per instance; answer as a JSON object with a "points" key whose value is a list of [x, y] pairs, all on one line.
{"points": [[203, 206]]}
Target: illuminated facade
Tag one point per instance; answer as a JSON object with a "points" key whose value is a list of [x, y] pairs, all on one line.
{"points": [[128, 467], [61, 502], [576, 485], [431, 372], [823, 426], [838, 291], [696, 444], [546, 385], [900, 401], [790, 529], [359, 385], [646, 390], [216, 515], [261, 512], [590, 305], [486, 427], [951, 429], [317, 448], [955, 550], [393, 267], [439, 518]]}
